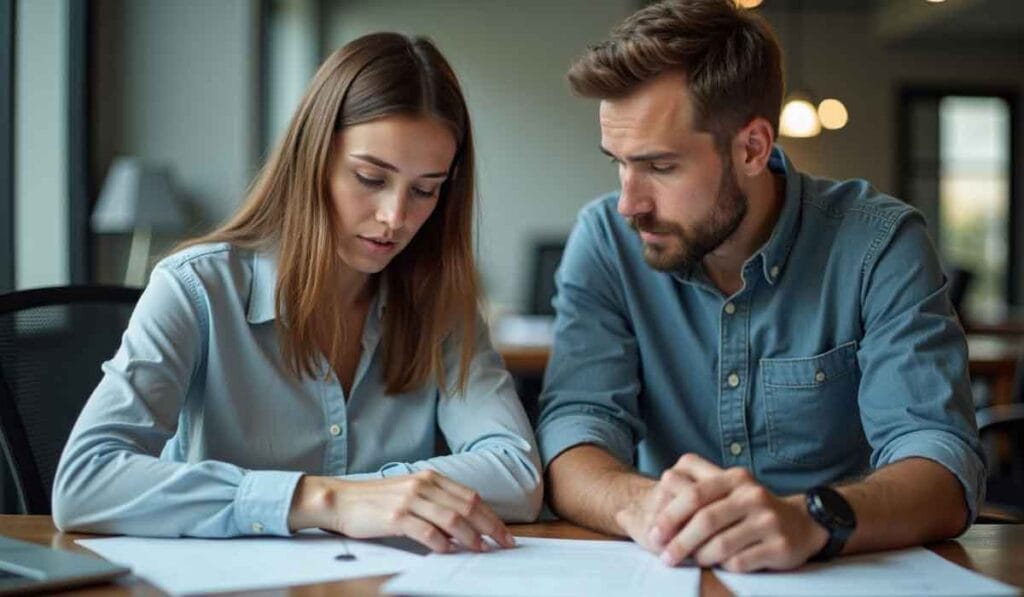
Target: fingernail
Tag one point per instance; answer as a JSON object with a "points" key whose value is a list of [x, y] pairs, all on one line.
{"points": [[666, 558], [484, 545]]}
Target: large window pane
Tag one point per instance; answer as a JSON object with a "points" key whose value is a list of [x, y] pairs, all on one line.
{"points": [[974, 196]]}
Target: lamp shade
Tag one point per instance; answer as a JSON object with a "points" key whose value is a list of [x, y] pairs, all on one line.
{"points": [[137, 195]]}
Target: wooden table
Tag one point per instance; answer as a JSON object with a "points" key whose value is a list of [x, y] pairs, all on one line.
{"points": [[993, 550]]}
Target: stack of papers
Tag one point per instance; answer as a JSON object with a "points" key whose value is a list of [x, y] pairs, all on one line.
{"points": [[535, 568], [915, 571], [549, 567], [189, 566]]}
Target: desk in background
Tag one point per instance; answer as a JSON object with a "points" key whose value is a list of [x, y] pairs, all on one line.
{"points": [[996, 551], [993, 358]]}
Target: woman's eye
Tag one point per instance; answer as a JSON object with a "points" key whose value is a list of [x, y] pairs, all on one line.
{"points": [[426, 194], [373, 183]]}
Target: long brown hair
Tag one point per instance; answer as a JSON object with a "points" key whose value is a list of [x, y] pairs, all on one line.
{"points": [[732, 61], [432, 285]]}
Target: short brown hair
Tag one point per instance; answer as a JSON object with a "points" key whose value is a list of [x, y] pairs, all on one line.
{"points": [[730, 56], [432, 285]]}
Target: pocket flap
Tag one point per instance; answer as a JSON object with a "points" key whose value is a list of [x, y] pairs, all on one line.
{"points": [[811, 371]]}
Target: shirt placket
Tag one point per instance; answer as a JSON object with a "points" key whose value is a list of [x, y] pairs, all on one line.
{"points": [[734, 380], [335, 422]]}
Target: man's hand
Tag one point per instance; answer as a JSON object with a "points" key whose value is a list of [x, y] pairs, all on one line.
{"points": [[724, 517], [638, 517]]}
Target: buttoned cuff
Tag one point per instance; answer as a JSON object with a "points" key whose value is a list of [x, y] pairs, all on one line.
{"points": [[949, 451], [566, 431], [263, 501]]}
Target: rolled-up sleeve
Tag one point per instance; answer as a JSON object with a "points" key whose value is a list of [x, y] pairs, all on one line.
{"points": [[111, 479], [592, 381], [915, 395], [493, 449]]}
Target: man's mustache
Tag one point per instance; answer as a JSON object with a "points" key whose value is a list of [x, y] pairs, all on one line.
{"points": [[646, 223]]}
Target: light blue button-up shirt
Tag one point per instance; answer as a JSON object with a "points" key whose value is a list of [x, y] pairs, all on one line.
{"points": [[198, 429], [840, 353]]}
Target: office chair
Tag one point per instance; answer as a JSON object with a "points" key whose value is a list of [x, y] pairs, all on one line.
{"points": [[1005, 484], [52, 342], [546, 258], [959, 282]]}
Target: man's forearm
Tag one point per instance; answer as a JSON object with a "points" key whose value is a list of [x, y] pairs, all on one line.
{"points": [[910, 502], [588, 486]]}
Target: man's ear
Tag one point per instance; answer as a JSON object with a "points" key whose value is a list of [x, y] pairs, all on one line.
{"points": [[752, 146]]}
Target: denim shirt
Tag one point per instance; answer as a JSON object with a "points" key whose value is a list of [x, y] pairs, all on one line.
{"points": [[198, 429], [839, 354]]}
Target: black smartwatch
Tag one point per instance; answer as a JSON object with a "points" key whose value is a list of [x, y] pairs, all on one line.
{"points": [[831, 510]]}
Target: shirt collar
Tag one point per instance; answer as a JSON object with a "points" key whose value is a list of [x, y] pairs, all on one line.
{"points": [[262, 294], [776, 251], [262, 307]]}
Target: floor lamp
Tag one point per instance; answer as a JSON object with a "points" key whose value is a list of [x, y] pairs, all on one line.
{"points": [[137, 199]]}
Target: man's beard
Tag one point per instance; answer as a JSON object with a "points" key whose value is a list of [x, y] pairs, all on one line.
{"points": [[728, 212]]}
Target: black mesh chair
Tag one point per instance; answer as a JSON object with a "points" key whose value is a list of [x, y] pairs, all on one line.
{"points": [[1005, 484], [52, 342]]}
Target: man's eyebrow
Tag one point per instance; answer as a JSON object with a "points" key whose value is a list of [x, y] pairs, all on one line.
{"points": [[387, 166], [644, 157]]}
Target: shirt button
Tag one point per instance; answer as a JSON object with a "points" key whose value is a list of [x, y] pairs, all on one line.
{"points": [[774, 272], [736, 448], [733, 380], [730, 308], [335, 430], [819, 376], [257, 527]]}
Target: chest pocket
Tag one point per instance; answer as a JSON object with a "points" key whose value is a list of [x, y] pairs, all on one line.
{"points": [[811, 406]]}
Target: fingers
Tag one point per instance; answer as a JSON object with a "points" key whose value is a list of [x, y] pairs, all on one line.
{"points": [[705, 524], [424, 532], [696, 467], [690, 498], [468, 504], [449, 521], [760, 556], [728, 543]]}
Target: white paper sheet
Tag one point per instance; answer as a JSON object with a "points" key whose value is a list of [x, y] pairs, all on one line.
{"points": [[548, 567], [187, 566], [915, 571]]}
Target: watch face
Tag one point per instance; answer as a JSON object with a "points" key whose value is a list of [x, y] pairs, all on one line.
{"points": [[837, 508]]}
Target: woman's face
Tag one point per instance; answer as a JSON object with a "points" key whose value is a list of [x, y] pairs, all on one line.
{"points": [[384, 181]]}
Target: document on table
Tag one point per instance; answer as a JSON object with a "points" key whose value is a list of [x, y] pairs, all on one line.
{"points": [[187, 566], [915, 571], [548, 567]]}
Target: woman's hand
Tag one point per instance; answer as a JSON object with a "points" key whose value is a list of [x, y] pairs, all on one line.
{"points": [[424, 506]]}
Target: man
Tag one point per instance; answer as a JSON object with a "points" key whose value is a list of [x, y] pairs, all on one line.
{"points": [[752, 367]]}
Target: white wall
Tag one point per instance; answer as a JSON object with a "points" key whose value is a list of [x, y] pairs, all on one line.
{"points": [[176, 83], [536, 143], [40, 148]]}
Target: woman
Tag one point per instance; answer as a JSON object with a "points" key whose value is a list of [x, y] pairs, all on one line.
{"points": [[291, 369]]}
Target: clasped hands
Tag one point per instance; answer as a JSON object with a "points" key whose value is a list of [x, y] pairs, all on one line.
{"points": [[721, 517]]}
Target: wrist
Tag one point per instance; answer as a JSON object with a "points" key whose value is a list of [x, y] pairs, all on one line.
{"points": [[814, 535], [311, 503]]}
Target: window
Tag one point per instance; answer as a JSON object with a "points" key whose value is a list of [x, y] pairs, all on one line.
{"points": [[956, 166]]}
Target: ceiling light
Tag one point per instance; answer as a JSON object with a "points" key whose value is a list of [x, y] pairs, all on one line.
{"points": [[833, 114], [799, 119]]}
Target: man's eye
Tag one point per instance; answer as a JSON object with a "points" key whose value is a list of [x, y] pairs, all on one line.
{"points": [[662, 168]]}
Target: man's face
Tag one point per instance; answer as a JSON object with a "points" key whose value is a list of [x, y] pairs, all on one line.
{"points": [[678, 191]]}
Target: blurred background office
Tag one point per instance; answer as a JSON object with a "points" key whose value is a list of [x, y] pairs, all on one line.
{"points": [[186, 98]]}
